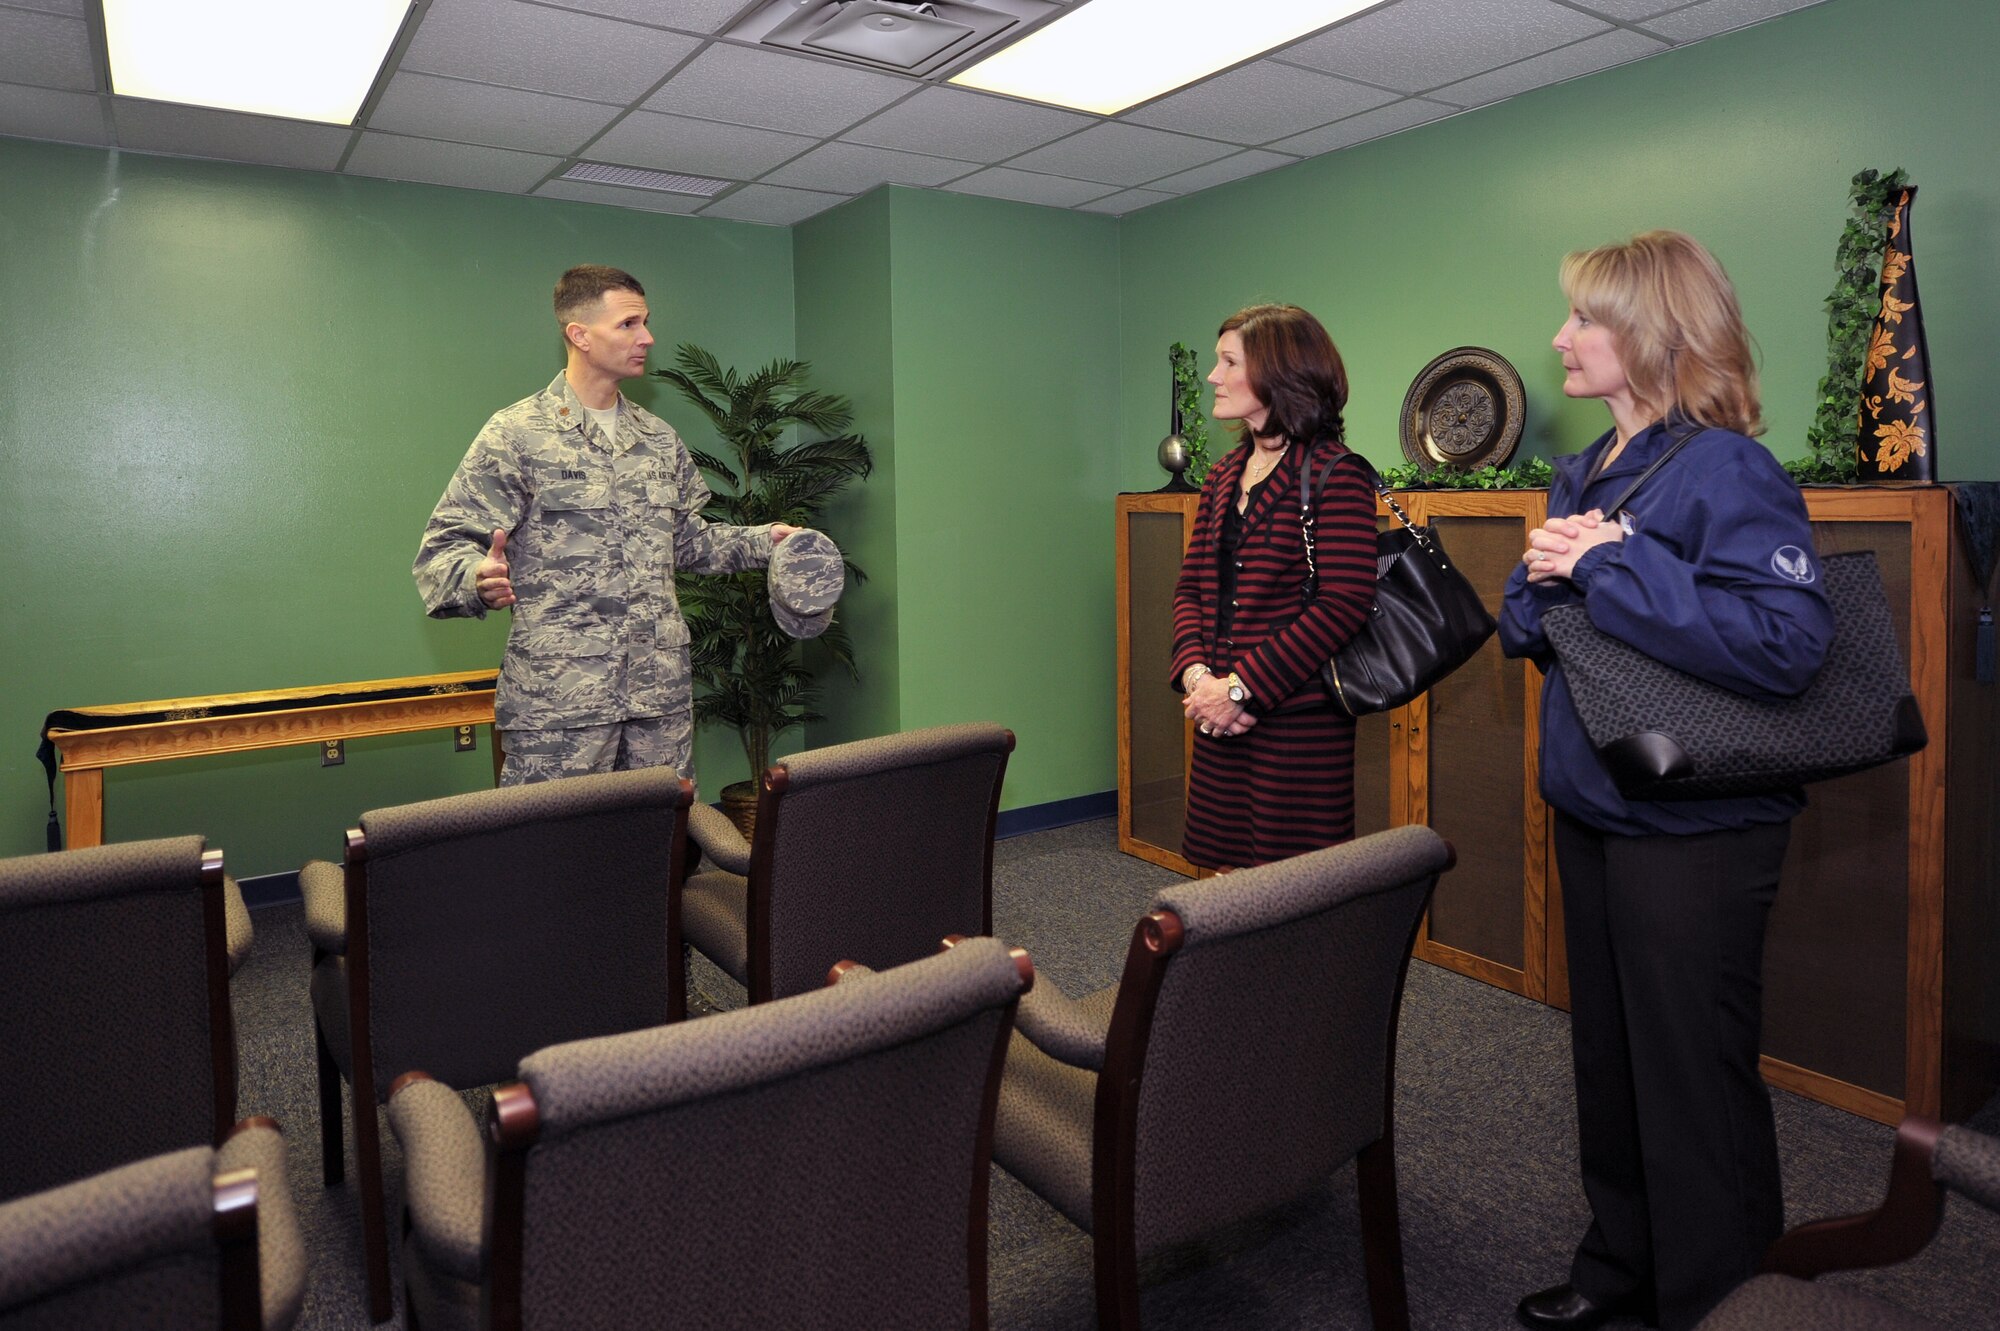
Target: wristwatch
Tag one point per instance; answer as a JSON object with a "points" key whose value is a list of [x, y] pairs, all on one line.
{"points": [[1237, 693]]}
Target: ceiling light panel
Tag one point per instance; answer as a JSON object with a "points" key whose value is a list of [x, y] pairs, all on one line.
{"points": [[1107, 55], [301, 59]]}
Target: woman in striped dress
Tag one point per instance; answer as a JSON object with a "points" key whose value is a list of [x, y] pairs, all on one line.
{"points": [[1273, 771]]}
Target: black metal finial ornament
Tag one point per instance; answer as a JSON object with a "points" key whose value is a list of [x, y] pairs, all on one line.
{"points": [[1175, 454]]}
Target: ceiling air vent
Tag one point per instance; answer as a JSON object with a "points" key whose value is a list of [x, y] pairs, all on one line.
{"points": [[602, 173], [903, 38]]}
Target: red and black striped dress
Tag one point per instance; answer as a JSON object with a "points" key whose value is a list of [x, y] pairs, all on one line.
{"points": [[1287, 785]]}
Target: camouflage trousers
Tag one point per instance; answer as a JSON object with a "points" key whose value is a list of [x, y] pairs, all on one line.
{"points": [[543, 755]]}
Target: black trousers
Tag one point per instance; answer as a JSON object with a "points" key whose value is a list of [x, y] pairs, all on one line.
{"points": [[1679, 1150]]}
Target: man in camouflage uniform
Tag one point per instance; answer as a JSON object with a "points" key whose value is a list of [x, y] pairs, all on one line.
{"points": [[575, 506]]}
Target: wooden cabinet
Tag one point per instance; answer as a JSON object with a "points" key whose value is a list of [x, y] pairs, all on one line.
{"points": [[1878, 995]]}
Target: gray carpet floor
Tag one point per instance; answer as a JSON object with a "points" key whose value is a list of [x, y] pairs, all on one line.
{"points": [[1486, 1147]]}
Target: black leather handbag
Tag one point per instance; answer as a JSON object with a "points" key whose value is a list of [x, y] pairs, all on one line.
{"points": [[1427, 619], [1665, 734]]}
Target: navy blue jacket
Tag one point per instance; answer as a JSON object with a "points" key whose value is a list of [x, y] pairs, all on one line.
{"points": [[1716, 576]]}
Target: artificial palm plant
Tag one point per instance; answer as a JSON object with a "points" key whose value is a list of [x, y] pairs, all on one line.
{"points": [[748, 672]]}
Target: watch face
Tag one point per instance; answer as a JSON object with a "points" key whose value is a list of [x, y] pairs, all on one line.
{"points": [[1236, 693]]}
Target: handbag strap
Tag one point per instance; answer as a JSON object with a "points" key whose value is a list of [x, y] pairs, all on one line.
{"points": [[1309, 489], [1645, 475]]}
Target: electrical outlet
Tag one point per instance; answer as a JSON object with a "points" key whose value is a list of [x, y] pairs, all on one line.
{"points": [[332, 752], [464, 740]]}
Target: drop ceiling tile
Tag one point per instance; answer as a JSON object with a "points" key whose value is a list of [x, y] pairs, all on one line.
{"points": [[1259, 102], [1368, 125], [1418, 44], [1706, 20], [1124, 201], [198, 131], [1630, 10], [851, 168], [773, 91], [51, 113], [687, 15], [45, 51], [1001, 182], [1585, 57], [695, 147], [436, 108], [544, 50], [1222, 171], [970, 126], [646, 200], [1120, 154], [462, 165], [771, 205]]}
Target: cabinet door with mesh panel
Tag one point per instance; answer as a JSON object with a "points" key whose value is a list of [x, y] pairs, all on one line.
{"points": [[1154, 738]]}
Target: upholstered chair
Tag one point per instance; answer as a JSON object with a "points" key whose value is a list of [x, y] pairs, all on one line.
{"points": [[464, 933], [817, 1160], [1929, 1160], [116, 1041], [872, 850], [1245, 1055], [196, 1238]]}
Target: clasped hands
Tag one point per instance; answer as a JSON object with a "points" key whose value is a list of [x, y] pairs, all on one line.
{"points": [[1207, 705], [1556, 545]]}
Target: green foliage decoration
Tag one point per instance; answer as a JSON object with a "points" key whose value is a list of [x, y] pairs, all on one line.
{"points": [[1851, 307], [1529, 474], [747, 671], [1187, 400]]}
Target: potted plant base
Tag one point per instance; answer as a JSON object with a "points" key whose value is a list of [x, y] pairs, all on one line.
{"points": [[739, 805]]}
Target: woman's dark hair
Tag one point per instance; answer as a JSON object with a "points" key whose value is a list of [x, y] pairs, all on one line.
{"points": [[1294, 369]]}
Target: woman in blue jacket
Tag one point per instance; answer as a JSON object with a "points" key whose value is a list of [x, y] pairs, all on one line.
{"points": [[1711, 569]]}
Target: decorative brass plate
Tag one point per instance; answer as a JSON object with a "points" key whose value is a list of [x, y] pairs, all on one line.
{"points": [[1464, 410]]}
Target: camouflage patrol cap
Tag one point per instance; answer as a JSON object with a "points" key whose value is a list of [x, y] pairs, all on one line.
{"points": [[806, 577]]}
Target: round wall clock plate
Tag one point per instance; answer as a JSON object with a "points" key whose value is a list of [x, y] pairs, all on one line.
{"points": [[1464, 410]]}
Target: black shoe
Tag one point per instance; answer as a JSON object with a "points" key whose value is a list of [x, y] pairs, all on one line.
{"points": [[1564, 1308]]}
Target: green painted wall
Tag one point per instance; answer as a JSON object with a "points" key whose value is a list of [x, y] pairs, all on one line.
{"points": [[229, 397], [1451, 233], [1006, 341], [840, 268]]}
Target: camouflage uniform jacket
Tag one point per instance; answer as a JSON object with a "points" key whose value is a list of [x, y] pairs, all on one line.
{"points": [[594, 534]]}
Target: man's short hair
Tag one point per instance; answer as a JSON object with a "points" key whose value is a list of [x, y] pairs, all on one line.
{"points": [[579, 289]]}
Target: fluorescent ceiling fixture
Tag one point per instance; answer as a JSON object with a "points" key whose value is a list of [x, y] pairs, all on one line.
{"points": [[1106, 55], [300, 59]]}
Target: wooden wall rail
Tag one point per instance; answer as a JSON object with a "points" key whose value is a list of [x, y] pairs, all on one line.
{"points": [[218, 724]]}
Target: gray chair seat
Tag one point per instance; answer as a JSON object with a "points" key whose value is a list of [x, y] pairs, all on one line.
{"points": [[1246, 1054], [813, 1160], [462, 934], [871, 851], [114, 1004], [1929, 1161], [715, 917], [197, 1238]]}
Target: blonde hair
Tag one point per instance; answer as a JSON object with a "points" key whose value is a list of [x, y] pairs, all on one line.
{"points": [[1673, 316]]}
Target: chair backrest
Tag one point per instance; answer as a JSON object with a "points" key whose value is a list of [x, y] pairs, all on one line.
{"points": [[874, 851], [166, 1242], [503, 921], [116, 1041], [820, 1157], [1257, 1015]]}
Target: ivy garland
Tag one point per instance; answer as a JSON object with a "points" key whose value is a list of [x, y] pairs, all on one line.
{"points": [[1187, 401], [1856, 298], [1529, 474]]}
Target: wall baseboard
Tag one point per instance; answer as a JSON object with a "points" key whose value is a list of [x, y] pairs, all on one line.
{"points": [[270, 889], [280, 889], [1057, 813]]}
